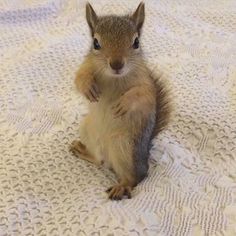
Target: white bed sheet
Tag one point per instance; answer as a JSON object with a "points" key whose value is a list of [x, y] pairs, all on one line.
{"points": [[191, 187]]}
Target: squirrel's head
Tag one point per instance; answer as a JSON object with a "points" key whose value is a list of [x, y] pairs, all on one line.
{"points": [[115, 41]]}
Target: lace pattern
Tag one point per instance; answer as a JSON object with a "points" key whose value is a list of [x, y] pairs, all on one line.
{"points": [[191, 187]]}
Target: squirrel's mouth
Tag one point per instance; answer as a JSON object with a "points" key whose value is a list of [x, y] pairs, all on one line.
{"points": [[119, 73]]}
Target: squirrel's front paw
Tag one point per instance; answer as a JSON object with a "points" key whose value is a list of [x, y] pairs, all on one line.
{"points": [[120, 109], [91, 92], [125, 104], [89, 89]]}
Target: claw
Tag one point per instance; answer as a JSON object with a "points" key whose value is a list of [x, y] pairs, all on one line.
{"points": [[117, 192]]}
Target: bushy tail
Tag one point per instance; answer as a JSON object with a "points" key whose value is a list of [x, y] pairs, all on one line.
{"points": [[163, 105]]}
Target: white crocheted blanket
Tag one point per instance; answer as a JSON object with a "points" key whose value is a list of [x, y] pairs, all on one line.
{"points": [[191, 187]]}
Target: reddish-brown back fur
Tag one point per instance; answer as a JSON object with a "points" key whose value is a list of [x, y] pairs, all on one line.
{"points": [[163, 106]]}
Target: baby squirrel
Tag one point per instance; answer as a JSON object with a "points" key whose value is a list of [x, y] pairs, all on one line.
{"points": [[127, 105]]}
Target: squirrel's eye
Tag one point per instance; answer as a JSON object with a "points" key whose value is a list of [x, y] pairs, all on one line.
{"points": [[96, 44], [136, 43]]}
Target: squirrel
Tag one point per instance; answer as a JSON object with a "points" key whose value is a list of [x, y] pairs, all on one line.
{"points": [[128, 106]]}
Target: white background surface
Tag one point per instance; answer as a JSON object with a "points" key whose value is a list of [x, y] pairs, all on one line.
{"points": [[45, 190]]}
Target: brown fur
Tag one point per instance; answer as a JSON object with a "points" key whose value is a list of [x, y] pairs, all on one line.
{"points": [[128, 107], [163, 106]]}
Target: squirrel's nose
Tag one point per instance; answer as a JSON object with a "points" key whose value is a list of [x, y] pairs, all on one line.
{"points": [[117, 65]]}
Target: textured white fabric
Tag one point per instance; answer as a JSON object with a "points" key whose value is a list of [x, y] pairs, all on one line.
{"points": [[191, 187]]}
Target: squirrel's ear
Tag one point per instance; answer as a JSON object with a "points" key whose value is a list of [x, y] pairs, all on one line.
{"points": [[138, 16], [91, 17]]}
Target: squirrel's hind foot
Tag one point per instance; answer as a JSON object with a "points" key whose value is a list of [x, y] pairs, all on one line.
{"points": [[118, 192]]}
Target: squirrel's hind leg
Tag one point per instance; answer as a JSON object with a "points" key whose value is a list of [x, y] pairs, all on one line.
{"points": [[80, 150], [118, 191], [120, 156]]}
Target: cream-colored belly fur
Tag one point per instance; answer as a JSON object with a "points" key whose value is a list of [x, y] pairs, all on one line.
{"points": [[107, 138]]}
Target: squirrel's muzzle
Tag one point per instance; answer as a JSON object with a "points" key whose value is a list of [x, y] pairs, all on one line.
{"points": [[117, 65]]}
